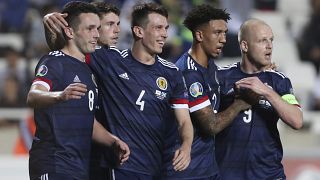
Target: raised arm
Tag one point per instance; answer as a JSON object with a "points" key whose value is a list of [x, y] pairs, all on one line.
{"points": [[39, 96], [54, 23], [286, 106], [182, 155]]}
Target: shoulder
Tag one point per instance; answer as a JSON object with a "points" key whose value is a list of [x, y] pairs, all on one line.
{"points": [[124, 53], [228, 67], [110, 50], [53, 57], [104, 53], [167, 64], [186, 63], [225, 70], [276, 74]]}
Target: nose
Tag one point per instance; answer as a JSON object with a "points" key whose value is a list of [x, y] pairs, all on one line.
{"points": [[165, 33], [117, 29], [269, 45], [223, 38], [96, 34]]}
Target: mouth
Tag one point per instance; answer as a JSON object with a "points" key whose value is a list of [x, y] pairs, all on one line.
{"points": [[219, 49], [268, 55], [161, 43], [93, 42]]}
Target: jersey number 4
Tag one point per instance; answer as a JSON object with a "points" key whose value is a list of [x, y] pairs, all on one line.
{"points": [[139, 101]]}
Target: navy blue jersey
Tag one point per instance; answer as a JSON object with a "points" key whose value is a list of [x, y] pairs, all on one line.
{"points": [[250, 147], [203, 91], [137, 99], [63, 131]]}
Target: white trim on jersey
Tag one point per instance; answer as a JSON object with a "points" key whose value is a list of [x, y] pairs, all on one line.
{"points": [[113, 175], [277, 72], [123, 53], [228, 66], [46, 85], [167, 63], [44, 177], [56, 53], [190, 64], [200, 106], [180, 106]]}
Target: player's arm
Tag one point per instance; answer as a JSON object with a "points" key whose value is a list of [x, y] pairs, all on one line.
{"points": [[182, 157], [39, 95], [102, 136], [286, 106], [54, 23], [211, 123]]}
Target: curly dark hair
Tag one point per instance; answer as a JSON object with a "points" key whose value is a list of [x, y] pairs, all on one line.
{"points": [[202, 14]]}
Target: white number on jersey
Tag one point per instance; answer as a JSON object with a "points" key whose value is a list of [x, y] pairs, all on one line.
{"points": [[248, 117], [139, 101], [91, 100]]}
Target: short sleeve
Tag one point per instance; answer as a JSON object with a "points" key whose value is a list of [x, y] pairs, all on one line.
{"points": [[198, 97], [179, 97], [48, 72]]}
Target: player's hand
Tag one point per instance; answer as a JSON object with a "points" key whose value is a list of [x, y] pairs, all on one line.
{"points": [[253, 87], [255, 84], [182, 158], [73, 91], [121, 150], [55, 22], [245, 97]]}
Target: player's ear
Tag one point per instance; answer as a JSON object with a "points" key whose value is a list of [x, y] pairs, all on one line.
{"points": [[138, 31], [244, 46], [199, 35], [68, 31]]}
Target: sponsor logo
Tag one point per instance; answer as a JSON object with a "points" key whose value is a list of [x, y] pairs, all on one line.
{"points": [[124, 76], [42, 71], [196, 89], [162, 83], [160, 95], [76, 79]]}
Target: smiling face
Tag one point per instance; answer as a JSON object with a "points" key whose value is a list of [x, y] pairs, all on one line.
{"points": [[86, 33], [155, 33], [258, 44], [110, 28], [212, 37]]}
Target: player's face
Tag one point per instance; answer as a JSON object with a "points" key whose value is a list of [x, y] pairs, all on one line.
{"points": [[110, 28], [260, 45], [214, 37], [155, 33], [87, 34]]}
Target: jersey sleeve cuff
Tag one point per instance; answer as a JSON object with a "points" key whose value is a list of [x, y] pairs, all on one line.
{"points": [[199, 106], [43, 82]]}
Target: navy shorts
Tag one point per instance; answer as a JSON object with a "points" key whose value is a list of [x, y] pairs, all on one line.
{"points": [[120, 174], [54, 176]]}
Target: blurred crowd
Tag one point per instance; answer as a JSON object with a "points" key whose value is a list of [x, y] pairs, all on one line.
{"points": [[23, 19]]}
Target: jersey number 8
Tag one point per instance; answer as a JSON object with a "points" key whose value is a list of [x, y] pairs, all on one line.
{"points": [[91, 100]]}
